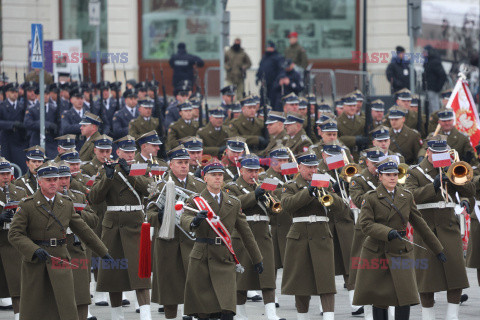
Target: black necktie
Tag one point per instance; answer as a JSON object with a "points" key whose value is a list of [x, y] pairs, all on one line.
{"points": [[50, 202], [217, 198]]}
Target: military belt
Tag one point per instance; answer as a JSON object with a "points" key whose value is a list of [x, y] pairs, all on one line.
{"points": [[310, 219], [52, 242], [125, 208], [257, 218], [215, 241], [435, 205]]}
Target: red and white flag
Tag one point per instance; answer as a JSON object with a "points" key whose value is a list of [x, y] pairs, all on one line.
{"points": [[335, 162], [466, 114], [156, 170], [289, 168], [269, 184], [138, 169], [79, 206], [91, 181], [441, 160], [320, 180]]}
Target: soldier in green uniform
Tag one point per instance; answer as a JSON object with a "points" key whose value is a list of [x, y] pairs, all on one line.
{"points": [[121, 226], [295, 51], [237, 62], [170, 259], [10, 258], [433, 121], [236, 147], [404, 100], [309, 266], [276, 130], [351, 127], [149, 143], [35, 158], [247, 125], [298, 141], [214, 133], [79, 180], [381, 139], [404, 140], [253, 202], [194, 147], [378, 114], [359, 97], [328, 132], [144, 122], [384, 216], [211, 266], [290, 103], [338, 107], [38, 232], [183, 127], [89, 128], [64, 142], [455, 139], [428, 189], [303, 110]]}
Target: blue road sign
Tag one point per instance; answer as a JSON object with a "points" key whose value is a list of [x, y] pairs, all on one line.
{"points": [[37, 46]]}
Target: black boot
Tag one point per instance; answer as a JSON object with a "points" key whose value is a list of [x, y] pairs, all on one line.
{"points": [[402, 313], [226, 316], [379, 313]]}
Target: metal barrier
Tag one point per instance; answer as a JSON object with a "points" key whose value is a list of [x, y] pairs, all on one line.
{"points": [[211, 82], [379, 84], [348, 80], [322, 82]]}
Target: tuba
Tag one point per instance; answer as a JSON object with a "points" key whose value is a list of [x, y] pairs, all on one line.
{"points": [[459, 172]]}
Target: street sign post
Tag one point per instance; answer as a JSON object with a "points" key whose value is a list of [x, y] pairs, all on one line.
{"points": [[94, 10], [37, 62]]}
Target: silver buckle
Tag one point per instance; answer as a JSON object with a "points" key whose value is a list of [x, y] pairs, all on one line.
{"points": [[218, 240], [127, 207], [442, 205], [311, 219], [256, 217], [53, 242]]}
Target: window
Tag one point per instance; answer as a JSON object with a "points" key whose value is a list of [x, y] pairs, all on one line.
{"points": [[194, 22], [326, 28], [75, 25]]}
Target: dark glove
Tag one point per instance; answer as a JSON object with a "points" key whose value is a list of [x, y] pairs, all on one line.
{"points": [[198, 173], [235, 177], [336, 187], [262, 142], [108, 258], [362, 141], [52, 127], [393, 234], [468, 156], [259, 194], [420, 159], [109, 170], [6, 216], [18, 125], [466, 205], [41, 254], [312, 191], [221, 151], [124, 165], [258, 267], [201, 215], [160, 215], [436, 181], [441, 256]]}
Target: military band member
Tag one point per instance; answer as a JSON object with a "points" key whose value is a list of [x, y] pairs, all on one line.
{"points": [[381, 139], [404, 100], [81, 274], [183, 127], [425, 182], [351, 127], [144, 122], [309, 266], [235, 114], [149, 145], [234, 151], [102, 151], [378, 114], [89, 128], [247, 125], [384, 216], [214, 133], [338, 107], [211, 265], [35, 158], [276, 130], [10, 258], [404, 140], [170, 259], [256, 276], [79, 180], [38, 231], [121, 226], [297, 141], [328, 132], [64, 143], [194, 147]]}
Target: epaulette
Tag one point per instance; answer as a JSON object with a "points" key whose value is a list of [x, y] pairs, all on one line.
{"points": [[304, 137], [17, 187], [86, 175], [64, 196], [233, 197], [370, 191], [28, 198], [415, 130], [357, 175], [231, 183], [194, 177], [76, 191]]}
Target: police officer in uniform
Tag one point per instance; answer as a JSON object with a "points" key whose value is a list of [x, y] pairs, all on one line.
{"points": [[384, 216], [122, 118], [170, 257], [247, 125], [182, 64], [183, 127], [38, 232], [214, 133], [211, 266], [276, 130], [256, 276], [35, 157], [428, 189], [10, 258], [351, 127], [89, 128], [236, 147], [145, 122], [404, 140], [309, 266], [297, 141]]}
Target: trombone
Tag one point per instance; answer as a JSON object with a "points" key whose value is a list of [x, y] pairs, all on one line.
{"points": [[271, 202]]}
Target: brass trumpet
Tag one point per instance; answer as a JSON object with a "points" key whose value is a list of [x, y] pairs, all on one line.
{"points": [[402, 173], [155, 178], [460, 172], [271, 202], [324, 198], [349, 170]]}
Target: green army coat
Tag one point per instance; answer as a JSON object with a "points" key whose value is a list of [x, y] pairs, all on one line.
{"points": [[298, 55], [86, 152], [348, 129], [28, 182], [178, 130], [140, 126], [211, 286], [48, 287], [213, 139], [407, 142], [250, 130], [298, 143], [279, 139]]}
